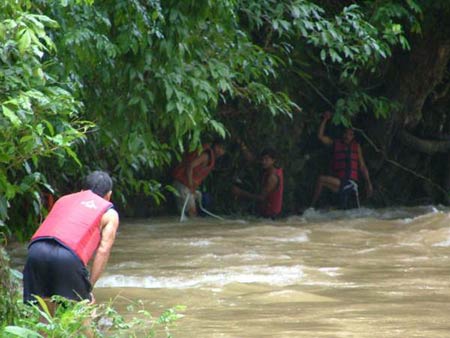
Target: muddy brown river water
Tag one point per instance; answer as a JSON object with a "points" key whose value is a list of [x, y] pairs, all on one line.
{"points": [[360, 273]]}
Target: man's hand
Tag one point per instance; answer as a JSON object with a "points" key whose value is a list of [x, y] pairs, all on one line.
{"points": [[327, 115], [236, 191], [93, 301], [369, 190], [321, 132]]}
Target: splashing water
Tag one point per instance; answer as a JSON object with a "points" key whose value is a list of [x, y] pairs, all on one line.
{"points": [[359, 273]]}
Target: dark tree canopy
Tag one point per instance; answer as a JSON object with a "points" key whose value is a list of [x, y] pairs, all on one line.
{"points": [[128, 86]]}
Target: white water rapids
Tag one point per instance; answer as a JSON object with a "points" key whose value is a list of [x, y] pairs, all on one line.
{"points": [[359, 273]]}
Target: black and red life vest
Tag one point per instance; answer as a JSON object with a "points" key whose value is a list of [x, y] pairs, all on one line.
{"points": [[74, 221], [199, 173], [345, 163], [274, 201]]}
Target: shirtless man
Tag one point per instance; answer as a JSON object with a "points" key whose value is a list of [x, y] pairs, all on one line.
{"points": [[270, 198]]}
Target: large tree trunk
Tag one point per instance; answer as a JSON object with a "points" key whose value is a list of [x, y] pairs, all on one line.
{"points": [[412, 78], [416, 75]]}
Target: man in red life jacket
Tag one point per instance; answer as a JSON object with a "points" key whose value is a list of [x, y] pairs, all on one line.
{"points": [[270, 199], [192, 171], [78, 225], [346, 163]]}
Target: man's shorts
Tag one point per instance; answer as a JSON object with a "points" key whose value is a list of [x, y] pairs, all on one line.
{"points": [[52, 269], [348, 194], [183, 192]]}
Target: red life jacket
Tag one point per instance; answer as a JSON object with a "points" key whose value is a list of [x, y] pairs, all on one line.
{"points": [[345, 161], [274, 201], [75, 222], [199, 173]]}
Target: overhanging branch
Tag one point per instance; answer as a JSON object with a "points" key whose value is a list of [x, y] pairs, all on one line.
{"points": [[424, 146]]}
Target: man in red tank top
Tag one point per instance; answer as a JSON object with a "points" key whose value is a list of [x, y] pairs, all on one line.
{"points": [[270, 199], [78, 226], [348, 161], [192, 171]]}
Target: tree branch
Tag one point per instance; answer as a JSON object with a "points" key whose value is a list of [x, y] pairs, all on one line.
{"points": [[424, 146], [443, 93]]}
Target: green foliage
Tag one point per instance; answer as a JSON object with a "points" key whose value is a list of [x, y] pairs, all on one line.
{"points": [[329, 57], [166, 67], [346, 44], [359, 102], [38, 113], [152, 75], [348, 38], [156, 76], [9, 286], [79, 319], [387, 13]]}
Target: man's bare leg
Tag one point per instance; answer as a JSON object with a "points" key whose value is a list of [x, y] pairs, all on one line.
{"points": [[192, 208], [323, 181]]}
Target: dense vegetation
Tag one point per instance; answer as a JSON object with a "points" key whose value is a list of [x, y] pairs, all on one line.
{"points": [[127, 86]]}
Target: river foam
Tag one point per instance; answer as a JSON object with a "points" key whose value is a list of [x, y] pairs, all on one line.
{"points": [[272, 275]]}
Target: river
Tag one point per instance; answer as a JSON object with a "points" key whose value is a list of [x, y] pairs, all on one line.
{"points": [[360, 273]]}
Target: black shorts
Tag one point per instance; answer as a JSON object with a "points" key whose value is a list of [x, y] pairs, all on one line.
{"points": [[52, 269], [348, 194]]}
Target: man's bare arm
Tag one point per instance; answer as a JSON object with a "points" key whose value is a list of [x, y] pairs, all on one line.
{"points": [[321, 132], [364, 171], [248, 155], [109, 225], [203, 159], [271, 185]]}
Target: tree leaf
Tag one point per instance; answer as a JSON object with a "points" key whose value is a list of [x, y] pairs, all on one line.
{"points": [[11, 116]]}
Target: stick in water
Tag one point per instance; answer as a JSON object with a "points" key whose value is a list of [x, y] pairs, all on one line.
{"points": [[182, 216], [199, 197]]}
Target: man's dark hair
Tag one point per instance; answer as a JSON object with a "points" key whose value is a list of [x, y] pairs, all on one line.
{"points": [[344, 130], [269, 151], [218, 142], [98, 182]]}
